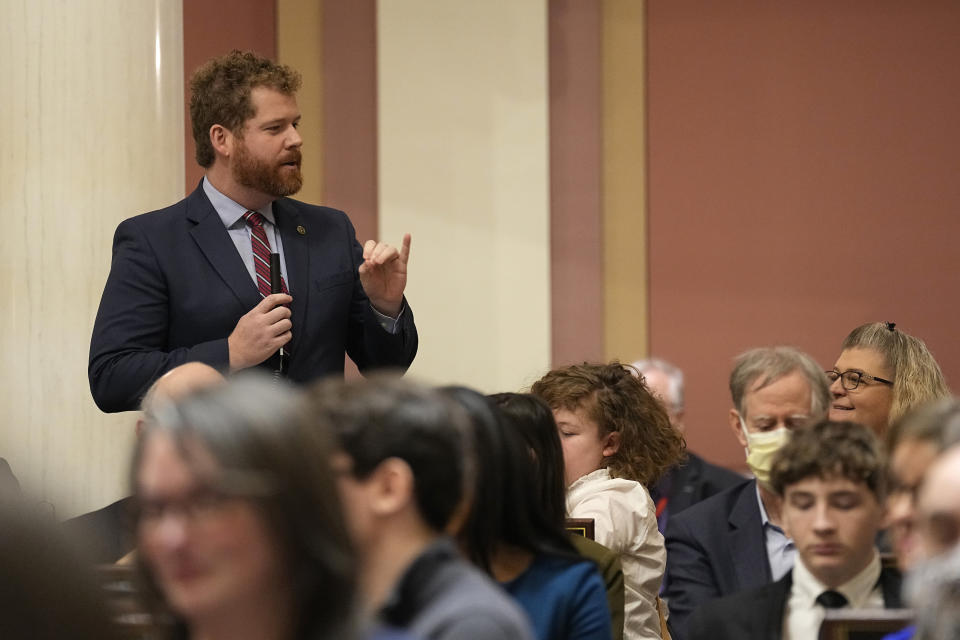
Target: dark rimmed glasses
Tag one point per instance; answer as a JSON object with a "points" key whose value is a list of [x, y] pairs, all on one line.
{"points": [[850, 380]]}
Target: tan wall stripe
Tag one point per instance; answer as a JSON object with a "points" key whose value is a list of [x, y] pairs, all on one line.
{"points": [[299, 25], [624, 180]]}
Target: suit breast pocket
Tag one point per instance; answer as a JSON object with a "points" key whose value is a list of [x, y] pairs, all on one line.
{"points": [[339, 279]]}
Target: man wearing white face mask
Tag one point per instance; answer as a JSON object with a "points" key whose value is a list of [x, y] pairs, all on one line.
{"points": [[735, 540]]}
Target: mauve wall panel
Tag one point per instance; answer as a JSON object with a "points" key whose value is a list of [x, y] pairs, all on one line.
{"points": [[802, 179], [214, 28], [576, 230]]}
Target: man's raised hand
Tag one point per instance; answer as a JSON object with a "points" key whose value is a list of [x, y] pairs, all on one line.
{"points": [[383, 274]]}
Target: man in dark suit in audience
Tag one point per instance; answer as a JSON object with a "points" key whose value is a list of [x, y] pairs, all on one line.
{"points": [[104, 536], [735, 539], [694, 479], [8, 482], [831, 480]]}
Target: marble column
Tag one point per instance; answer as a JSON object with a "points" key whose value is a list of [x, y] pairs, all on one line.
{"points": [[92, 130]]}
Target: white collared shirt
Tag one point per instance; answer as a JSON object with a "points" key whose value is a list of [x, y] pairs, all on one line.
{"points": [[625, 521], [802, 616]]}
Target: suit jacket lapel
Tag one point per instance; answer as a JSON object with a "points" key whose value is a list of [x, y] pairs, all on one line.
{"points": [[890, 584], [777, 606], [752, 569], [685, 484], [296, 255], [215, 243]]}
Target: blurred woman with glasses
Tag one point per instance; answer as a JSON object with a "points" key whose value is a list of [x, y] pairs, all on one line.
{"points": [[881, 374], [239, 528]]}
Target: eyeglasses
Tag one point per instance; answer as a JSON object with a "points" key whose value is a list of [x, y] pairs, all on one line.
{"points": [[206, 501], [851, 379], [197, 506]]}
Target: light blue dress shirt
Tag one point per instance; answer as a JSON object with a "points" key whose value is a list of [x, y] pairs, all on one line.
{"points": [[781, 551]]}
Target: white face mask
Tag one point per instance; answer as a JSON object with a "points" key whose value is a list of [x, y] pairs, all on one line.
{"points": [[761, 448]]}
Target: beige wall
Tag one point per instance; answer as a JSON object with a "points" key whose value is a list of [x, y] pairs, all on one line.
{"points": [[463, 166], [90, 137]]}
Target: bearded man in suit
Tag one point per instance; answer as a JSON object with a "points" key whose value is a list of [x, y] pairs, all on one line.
{"points": [[193, 281]]}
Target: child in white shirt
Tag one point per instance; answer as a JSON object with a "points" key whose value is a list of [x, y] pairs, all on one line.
{"points": [[616, 439]]}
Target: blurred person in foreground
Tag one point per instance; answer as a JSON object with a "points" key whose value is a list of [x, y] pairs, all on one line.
{"points": [[831, 479], [913, 444], [239, 527], [507, 533], [880, 374], [693, 479], [403, 453], [933, 584], [46, 593], [105, 535], [735, 539], [533, 421], [932, 589], [616, 440]]}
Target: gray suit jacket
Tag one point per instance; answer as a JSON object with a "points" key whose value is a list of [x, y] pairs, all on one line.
{"points": [[442, 597]]}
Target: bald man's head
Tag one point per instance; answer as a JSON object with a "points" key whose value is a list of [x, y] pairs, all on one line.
{"points": [[179, 383]]}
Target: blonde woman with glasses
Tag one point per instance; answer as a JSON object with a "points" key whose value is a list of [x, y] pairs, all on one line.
{"points": [[880, 374]]}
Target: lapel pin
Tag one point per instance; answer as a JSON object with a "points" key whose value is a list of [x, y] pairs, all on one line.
{"points": [[301, 230]]}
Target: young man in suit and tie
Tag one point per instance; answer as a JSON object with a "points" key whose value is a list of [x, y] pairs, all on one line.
{"points": [[831, 480], [734, 540], [192, 282]]}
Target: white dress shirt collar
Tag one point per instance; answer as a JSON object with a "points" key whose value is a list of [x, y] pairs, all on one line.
{"points": [[802, 616], [857, 590]]}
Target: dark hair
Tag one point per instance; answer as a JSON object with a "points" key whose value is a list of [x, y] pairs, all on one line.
{"points": [[220, 94], [270, 450], [388, 417], [917, 378], [826, 449], [504, 506], [46, 591], [616, 399], [532, 419]]}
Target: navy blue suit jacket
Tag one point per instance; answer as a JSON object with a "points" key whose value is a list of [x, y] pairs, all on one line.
{"points": [[105, 535], [714, 548], [178, 286], [690, 482], [757, 614]]}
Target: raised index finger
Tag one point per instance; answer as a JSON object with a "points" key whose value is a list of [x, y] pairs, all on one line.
{"points": [[405, 248], [368, 248]]}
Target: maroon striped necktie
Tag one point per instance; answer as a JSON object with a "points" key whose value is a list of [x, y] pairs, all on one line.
{"points": [[261, 253]]}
